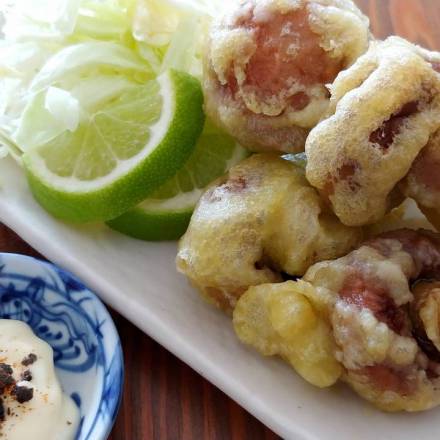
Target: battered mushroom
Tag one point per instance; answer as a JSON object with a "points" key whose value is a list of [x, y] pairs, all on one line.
{"points": [[371, 318], [367, 296], [279, 319], [268, 63], [430, 56], [422, 183], [259, 221], [425, 314], [384, 110]]}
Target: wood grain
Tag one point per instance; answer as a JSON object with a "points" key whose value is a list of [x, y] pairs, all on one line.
{"points": [[417, 20], [164, 398]]}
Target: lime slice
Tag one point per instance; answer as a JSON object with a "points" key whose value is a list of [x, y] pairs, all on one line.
{"points": [[124, 152], [166, 214]]}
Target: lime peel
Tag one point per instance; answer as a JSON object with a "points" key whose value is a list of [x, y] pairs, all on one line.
{"points": [[158, 218], [142, 225], [172, 140]]}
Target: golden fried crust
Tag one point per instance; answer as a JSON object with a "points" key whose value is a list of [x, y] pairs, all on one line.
{"points": [[359, 319], [262, 219], [430, 56], [383, 111], [405, 216], [365, 297], [426, 315], [268, 63], [422, 183], [278, 319]]}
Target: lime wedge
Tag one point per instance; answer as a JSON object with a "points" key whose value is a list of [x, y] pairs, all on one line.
{"points": [[166, 213], [121, 154]]}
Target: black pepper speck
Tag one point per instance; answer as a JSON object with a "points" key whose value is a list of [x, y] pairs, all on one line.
{"points": [[29, 359], [23, 394]]}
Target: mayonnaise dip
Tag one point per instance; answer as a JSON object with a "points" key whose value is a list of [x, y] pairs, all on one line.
{"points": [[33, 405]]}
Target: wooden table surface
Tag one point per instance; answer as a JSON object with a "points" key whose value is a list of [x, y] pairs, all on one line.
{"points": [[163, 397]]}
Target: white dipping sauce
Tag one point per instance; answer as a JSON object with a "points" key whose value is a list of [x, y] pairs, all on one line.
{"points": [[50, 414]]}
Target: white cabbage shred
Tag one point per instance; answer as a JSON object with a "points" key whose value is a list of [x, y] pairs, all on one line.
{"points": [[61, 59]]}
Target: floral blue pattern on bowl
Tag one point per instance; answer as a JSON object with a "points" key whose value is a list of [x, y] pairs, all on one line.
{"points": [[86, 345]]}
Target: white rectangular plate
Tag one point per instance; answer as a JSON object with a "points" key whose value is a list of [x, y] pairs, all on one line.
{"points": [[140, 281]]}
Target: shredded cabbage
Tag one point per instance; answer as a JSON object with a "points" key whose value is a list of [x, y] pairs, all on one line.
{"points": [[178, 28], [93, 92], [40, 19], [63, 107], [156, 20], [75, 59], [109, 20], [183, 52], [3, 151], [60, 60], [38, 124]]}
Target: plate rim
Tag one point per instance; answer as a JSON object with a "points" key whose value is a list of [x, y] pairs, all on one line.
{"points": [[103, 432]]}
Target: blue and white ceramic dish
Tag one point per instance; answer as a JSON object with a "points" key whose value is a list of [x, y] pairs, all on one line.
{"points": [[86, 345]]}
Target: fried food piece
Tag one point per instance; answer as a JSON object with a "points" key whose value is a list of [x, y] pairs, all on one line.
{"points": [[369, 318], [278, 319], [268, 63], [260, 220], [405, 216], [387, 334], [430, 56], [422, 183], [384, 109], [426, 317]]}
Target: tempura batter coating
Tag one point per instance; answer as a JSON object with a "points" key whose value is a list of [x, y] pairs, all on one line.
{"points": [[426, 316], [268, 63], [431, 56], [278, 319], [369, 318], [366, 296], [406, 216], [260, 220], [422, 183], [384, 110]]}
